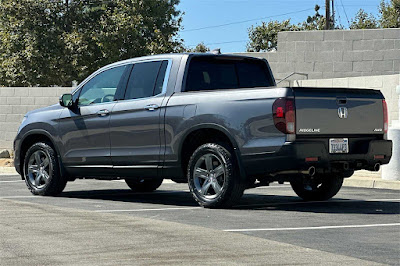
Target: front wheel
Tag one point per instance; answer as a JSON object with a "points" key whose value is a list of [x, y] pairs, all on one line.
{"points": [[41, 170], [144, 185], [213, 176], [319, 188]]}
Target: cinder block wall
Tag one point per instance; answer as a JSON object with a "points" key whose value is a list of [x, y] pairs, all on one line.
{"points": [[385, 83], [335, 53], [16, 102]]}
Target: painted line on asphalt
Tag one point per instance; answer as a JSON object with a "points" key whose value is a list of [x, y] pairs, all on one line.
{"points": [[154, 209], [12, 181], [312, 228], [20, 197], [266, 205]]}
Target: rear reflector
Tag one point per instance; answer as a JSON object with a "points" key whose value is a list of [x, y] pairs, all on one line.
{"points": [[284, 114], [312, 159], [379, 157]]}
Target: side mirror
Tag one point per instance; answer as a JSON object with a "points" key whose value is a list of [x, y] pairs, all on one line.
{"points": [[66, 100]]}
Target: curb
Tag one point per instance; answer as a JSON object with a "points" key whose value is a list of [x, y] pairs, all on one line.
{"points": [[372, 183], [8, 170]]}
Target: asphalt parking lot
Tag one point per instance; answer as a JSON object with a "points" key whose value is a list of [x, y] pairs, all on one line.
{"points": [[104, 223]]}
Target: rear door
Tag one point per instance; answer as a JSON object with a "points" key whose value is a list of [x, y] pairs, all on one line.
{"points": [[326, 111], [135, 121]]}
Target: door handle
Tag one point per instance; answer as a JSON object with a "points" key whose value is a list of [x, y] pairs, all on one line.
{"points": [[103, 112], [151, 107]]}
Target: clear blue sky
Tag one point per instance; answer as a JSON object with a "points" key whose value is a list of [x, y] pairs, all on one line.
{"points": [[204, 13]]}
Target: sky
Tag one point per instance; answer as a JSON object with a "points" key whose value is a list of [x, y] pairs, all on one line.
{"points": [[233, 38]]}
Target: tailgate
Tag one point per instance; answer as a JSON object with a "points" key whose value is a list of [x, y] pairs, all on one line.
{"points": [[338, 111]]}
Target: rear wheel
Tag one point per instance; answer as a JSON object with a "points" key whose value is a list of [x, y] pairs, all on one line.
{"points": [[41, 170], [213, 176], [318, 188], [144, 185]]}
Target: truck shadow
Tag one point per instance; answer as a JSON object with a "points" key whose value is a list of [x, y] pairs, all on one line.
{"points": [[249, 202]]}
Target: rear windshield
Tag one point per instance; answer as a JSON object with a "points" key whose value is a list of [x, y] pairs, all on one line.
{"points": [[211, 73]]}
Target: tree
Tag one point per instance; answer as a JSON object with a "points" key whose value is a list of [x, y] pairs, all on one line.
{"points": [[265, 36], [389, 14], [53, 42], [200, 48], [363, 20], [316, 22]]}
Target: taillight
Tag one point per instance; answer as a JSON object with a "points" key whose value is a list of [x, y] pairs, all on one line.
{"points": [[284, 114], [385, 117]]}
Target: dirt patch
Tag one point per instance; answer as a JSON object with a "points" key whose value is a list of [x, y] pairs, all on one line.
{"points": [[6, 163]]}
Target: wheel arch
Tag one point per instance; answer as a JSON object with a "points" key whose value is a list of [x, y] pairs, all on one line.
{"points": [[205, 133], [29, 139]]}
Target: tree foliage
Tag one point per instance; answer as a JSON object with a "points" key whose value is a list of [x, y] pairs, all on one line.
{"points": [[265, 36], [53, 42], [200, 48], [363, 20], [389, 14]]}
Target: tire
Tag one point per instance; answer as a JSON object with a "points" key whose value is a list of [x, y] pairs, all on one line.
{"points": [[42, 172], [217, 183], [321, 188], [144, 185]]}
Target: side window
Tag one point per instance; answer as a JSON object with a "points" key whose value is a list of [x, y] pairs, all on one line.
{"points": [[146, 79], [102, 87]]}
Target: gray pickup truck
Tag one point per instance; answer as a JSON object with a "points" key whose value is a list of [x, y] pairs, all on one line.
{"points": [[218, 122]]}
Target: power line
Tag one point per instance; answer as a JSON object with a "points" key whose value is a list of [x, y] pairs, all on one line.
{"points": [[248, 20], [192, 45], [347, 18]]}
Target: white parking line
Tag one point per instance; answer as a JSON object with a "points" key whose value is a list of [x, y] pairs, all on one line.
{"points": [[312, 228], [20, 197], [146, 210], [12, 181], [266, 205]]}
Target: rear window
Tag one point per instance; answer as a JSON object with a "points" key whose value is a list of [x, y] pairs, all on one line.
{"points": [[211, 73]]}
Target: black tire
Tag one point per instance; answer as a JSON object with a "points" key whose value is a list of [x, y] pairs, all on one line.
{"points": [[55, 183], [144, 185], [321, 188], [233, 186]]}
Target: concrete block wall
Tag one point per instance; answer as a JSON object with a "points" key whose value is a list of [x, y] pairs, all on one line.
{"points": [[335, 53], [16, 102], [385, 83]]}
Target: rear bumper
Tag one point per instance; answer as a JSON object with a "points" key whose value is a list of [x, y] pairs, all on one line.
{"points": [[292, 156]]}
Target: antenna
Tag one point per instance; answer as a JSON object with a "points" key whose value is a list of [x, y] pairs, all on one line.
{"points": [[216, 51]]}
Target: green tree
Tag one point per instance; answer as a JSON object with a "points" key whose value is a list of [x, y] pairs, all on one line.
{"points": [[53, 42], [200, 48], [316, 22], [265, 36], [363, 20], [389, 14]]}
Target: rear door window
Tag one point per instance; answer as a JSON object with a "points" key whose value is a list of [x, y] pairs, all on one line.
{"points": [[146, 80], [210, 73]]}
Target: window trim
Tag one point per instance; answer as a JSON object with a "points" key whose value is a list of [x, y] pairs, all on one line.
{"points": [[165, 82]]}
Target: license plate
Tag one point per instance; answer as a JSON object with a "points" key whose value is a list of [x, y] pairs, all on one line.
{"points": [[338, 145]]}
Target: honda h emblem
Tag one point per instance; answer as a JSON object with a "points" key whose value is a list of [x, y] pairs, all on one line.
{"points": [[342, 112]]}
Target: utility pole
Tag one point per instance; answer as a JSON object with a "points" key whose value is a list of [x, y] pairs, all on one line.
{"points": [[327, 14], [333, 15]]}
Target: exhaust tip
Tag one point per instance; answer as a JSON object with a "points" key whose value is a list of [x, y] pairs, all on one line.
{"points": [[311, 171], [377, 166]]}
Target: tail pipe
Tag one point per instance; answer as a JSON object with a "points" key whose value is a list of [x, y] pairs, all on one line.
{"points": [[376, 167], [310, 172]]}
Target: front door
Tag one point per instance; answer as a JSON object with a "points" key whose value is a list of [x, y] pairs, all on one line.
{"points": [[84, 129], [135, 126]]}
